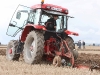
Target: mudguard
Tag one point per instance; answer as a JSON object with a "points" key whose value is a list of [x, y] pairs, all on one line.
{"points": [[28, 28], [71, 33]]}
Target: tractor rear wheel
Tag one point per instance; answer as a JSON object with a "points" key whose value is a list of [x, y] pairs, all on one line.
{"points": [[10, 51], [34, 47], [71, 46], [75, 53]]}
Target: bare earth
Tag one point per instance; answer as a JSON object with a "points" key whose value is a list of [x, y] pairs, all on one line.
{"points": [[86, 57], [91, 52]]}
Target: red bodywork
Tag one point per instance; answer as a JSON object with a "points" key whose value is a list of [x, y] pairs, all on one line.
{"points": [[51, 7], [51, 50], [40, 27], [71, 33], [46, 7], [28, 28]]}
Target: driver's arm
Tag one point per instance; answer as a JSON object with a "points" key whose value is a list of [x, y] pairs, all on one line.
{"points": [[52, 22], [55, 27]]}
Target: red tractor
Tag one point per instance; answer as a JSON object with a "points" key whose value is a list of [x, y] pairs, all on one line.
{"points": [[32, 42]]}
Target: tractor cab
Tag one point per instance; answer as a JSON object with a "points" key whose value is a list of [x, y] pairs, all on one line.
{"points": [[37, 15]]}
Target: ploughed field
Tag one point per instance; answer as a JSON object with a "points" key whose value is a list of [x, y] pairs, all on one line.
{"points": [[87, 57]]}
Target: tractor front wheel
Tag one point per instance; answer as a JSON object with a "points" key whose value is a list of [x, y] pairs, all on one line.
{"points": [[33, 47], [10, 51]]}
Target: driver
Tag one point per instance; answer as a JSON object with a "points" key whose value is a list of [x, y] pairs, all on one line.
{"points": [[51, 23]]}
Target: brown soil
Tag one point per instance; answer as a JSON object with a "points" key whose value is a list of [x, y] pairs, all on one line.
{"points": [[83, 59], [2, 51], [90, 60]]}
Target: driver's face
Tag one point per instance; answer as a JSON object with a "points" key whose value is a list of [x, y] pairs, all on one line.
{"points": [[56, 17]]}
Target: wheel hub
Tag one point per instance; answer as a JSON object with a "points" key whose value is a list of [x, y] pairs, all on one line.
{"points": [[10, 51], [31, 50], [32, 46]]}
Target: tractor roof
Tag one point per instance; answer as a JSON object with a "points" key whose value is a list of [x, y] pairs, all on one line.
{"points": [[51, 7]]}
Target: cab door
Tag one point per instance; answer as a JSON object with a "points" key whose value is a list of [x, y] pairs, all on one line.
{"points": [[18, 20]]}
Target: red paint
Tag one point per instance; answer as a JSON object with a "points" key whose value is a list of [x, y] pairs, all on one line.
{"points": [[82, 66], [50, 48], [10, 51], [71, 33], [28, 28], [49, 45], [44, 6]]}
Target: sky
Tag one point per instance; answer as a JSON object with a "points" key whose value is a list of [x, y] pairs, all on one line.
{"points": [[86, 21]]}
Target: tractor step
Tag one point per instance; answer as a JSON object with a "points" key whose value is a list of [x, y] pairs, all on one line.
{"points": [[19, 48]]}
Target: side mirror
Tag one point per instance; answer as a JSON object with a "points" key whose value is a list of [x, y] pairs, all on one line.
{"points": [[18, 15]]}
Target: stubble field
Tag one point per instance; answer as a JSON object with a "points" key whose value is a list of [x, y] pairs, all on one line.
{"points": [[88, 57]]}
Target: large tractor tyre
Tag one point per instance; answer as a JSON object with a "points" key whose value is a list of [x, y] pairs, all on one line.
{"points": [[10, 51], [34, 47], [71, 46]]}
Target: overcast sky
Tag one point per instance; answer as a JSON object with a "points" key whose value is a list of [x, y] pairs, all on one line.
{"points": [[86, 21]]}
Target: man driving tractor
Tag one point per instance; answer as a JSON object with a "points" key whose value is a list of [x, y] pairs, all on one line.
{"points": [[51, 25], [52, 21]]}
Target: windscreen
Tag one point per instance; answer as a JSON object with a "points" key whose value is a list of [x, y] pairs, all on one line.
{"points": [[61, 21]]}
